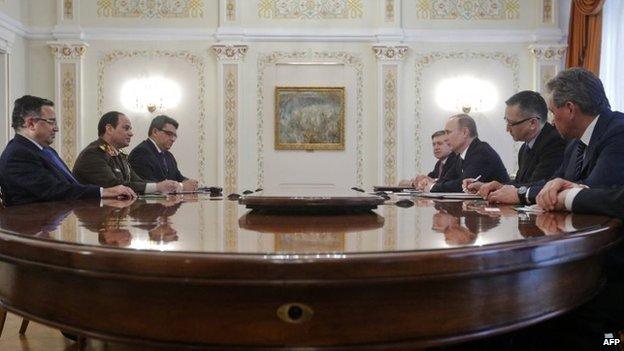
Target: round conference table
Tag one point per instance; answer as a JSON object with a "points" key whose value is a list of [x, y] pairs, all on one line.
{"points": [[193, 271]]}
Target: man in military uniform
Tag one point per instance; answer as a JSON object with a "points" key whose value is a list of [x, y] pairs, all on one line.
{"points": [[103, 163]]}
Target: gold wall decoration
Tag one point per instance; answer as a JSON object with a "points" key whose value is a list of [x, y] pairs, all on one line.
{"points": [[309, 118], [547, 11], [150, 9], [68, 116], [230, 138], [468, 10], [68, 9], [310, 9], [422, 61], [390, 107], [389, 10], [184, 56], [230, 10], [346, 58]]}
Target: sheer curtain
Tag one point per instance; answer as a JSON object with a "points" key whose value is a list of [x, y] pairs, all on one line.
{"points": [[612, 58]]}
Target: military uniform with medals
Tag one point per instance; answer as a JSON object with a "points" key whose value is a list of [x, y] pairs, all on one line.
{"points": [[103, 165]]}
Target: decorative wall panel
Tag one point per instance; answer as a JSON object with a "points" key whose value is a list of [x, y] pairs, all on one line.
{"points": [[149, 9], [68, 124], [468, 10], [508, 60], [310, 9], [230, 10], [389, 11], [68, 9], [547, 11], [390, 108], [230, 137], [184, 56], [349, 59]]}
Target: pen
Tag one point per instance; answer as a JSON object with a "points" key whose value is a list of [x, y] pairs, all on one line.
{"points": [[477, 178]]}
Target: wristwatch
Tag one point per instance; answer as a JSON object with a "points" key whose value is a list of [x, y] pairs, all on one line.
{"points": [[522, 195]]}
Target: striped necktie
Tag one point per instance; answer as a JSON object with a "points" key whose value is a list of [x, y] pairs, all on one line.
{"points": [[580, 152]]}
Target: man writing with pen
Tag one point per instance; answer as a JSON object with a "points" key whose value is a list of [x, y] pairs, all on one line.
{"points": [[475, 158], [541, 154]]}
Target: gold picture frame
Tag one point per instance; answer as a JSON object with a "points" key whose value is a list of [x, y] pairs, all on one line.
{"points": [[309, 118]]}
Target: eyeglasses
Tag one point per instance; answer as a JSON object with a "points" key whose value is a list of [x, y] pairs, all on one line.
{"points": [[51, 122], [169, 133], [518, 122]]}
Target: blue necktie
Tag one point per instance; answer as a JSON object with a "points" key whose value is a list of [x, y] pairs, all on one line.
{"points": [[49, 154]]}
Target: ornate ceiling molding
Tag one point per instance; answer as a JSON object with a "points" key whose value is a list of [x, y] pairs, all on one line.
{"points": [[473, 10], [305, 9], [151, 9]]}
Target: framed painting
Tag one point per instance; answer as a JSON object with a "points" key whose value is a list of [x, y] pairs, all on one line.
{"points": [[309, 118]]}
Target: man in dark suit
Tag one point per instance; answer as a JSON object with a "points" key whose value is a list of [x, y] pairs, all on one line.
{"points": [[475, 158], [443, 153], [151, 159], [595, 155], [31, 171], [103, 163], [539, 157]]}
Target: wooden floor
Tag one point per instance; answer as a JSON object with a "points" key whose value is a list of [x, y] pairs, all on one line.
{"points": [[41, 338]]}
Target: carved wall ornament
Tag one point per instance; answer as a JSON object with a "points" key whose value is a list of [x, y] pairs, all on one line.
{"points": [[150, 9], [347, 58], [68, 50], [422, 61], [310, 9], [185, 56], [468, 10], [390, 53], [230, 52], [548, 52]]}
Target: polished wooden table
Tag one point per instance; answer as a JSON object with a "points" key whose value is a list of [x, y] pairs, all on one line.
{"points": [[191, 271]]}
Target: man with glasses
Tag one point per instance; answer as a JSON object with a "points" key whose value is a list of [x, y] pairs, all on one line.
{"points": [[541, 154], [31, 171], [474, 158], [152, 160], [103, 162], [595, 154]]}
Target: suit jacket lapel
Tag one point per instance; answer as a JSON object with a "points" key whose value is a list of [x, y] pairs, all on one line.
{"points": [[156, 154], [28, 144], [599, 130]]}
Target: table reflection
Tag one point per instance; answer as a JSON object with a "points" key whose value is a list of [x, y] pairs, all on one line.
{"points": [[196, 223]]}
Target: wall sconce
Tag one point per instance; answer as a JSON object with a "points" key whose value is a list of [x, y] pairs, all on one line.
{"points": [[466, 94], [152, 94]]}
